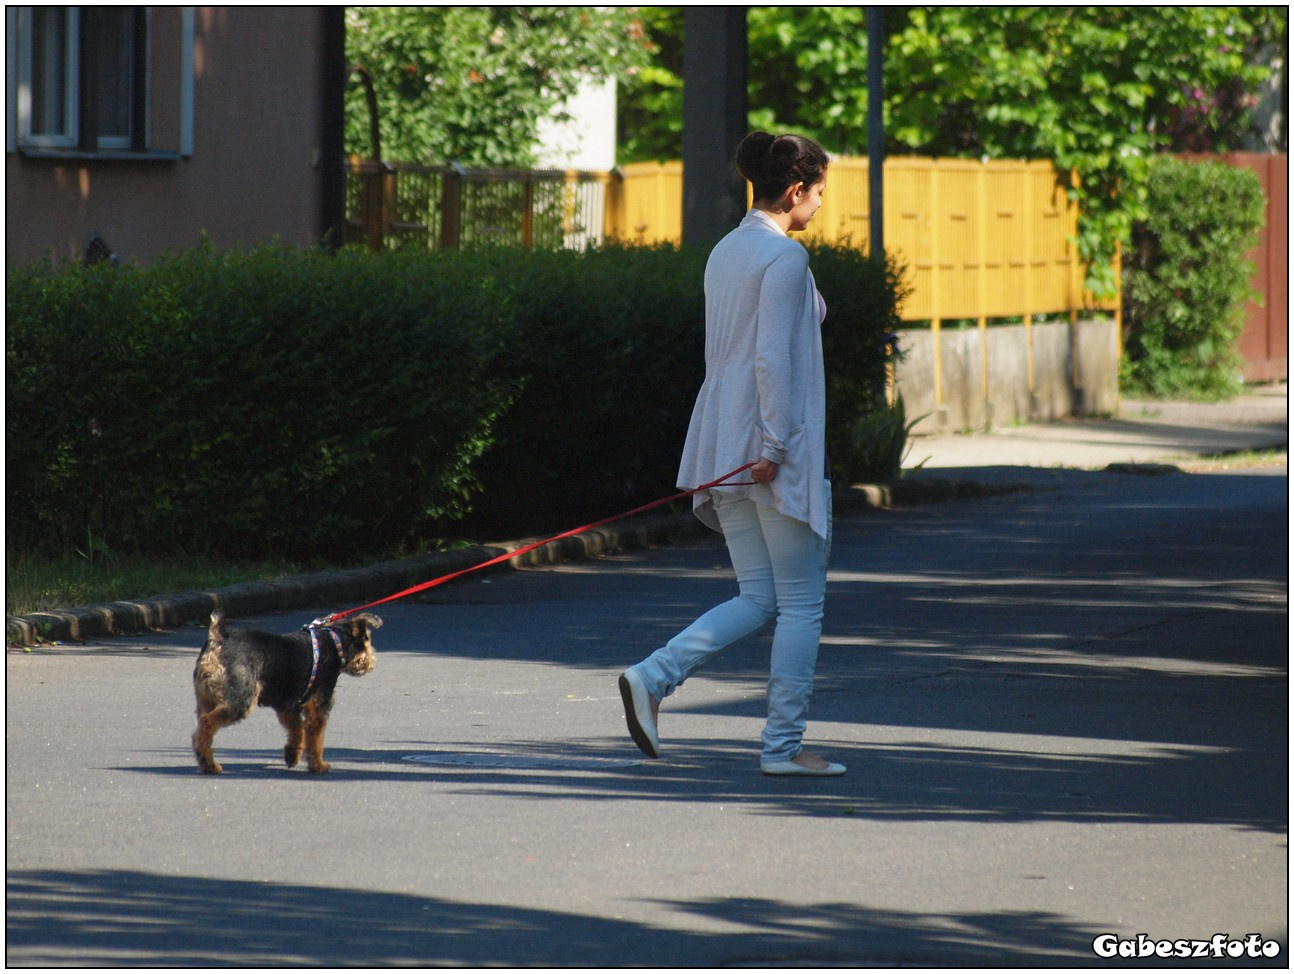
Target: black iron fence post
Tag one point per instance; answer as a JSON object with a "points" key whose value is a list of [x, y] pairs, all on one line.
{"points": [[451, 207]]}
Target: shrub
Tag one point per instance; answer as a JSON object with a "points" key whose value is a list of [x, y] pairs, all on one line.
{"points": [[282, 403], [279, 402], [611, 345], [876, 447], [1187, 280], [863, 296], [608, 345]]}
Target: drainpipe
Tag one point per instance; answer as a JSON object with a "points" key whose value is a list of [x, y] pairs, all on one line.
{"points": [[876, 130], [332, 138]]}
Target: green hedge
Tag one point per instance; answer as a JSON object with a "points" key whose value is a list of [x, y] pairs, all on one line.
{"points": [[610, 345], [274, 402], [291, 403], [1187, 280]]}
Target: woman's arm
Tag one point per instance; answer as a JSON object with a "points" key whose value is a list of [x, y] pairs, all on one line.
{"points": [[781, 303]]}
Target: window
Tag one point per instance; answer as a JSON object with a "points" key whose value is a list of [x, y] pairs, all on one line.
{"points": [[47, 72], [116, 77], [82, 78]]}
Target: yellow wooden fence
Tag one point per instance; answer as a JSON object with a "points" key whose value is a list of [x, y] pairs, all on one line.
{"points": [[645, 205], [980, 240]]}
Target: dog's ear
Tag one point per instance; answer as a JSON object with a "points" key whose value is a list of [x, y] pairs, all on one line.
{"points": [[363, 620]]}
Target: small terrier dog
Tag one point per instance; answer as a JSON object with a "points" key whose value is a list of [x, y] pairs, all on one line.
{"points": [[295, 674]]}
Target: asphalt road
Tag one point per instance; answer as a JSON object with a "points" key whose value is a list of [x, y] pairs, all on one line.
{"points": [[1065, 714]]}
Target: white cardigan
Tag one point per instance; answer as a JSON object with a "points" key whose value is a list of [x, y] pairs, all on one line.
{"points": [[764, 393]]}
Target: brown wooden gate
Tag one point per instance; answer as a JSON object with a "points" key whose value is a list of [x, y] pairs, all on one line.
{"points": [[1265, 338]]}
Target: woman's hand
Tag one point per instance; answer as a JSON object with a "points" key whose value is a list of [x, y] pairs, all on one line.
{"points": [[763, 471]]}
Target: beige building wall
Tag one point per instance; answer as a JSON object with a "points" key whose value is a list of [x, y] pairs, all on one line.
{"points": [[241, 167]]}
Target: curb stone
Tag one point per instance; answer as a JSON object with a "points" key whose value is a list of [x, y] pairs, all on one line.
{"points": [[378, 581], [349, 586], [1144, 469]]}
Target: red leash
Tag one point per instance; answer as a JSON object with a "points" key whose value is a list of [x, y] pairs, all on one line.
{"points": [[539, 544]]}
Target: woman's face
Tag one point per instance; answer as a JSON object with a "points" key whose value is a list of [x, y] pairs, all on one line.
{"points": [[806, 202]]}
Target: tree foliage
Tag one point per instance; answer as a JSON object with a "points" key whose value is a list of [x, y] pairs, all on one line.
{"points": [[1097, 90], [649, 103], [471, 84]]}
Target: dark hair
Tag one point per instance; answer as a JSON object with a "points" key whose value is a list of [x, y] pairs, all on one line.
{"points": [[772, 163]]}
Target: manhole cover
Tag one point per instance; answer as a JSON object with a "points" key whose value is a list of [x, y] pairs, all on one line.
{"points": [[521, 761]]}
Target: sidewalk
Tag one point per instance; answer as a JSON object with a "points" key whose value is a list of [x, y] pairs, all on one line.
{"points": [[1152, 437], [1142, 433]]}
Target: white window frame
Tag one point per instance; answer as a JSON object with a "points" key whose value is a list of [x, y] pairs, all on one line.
{"points": [[187, 76], [11, 79], [70, 136], [126, 141]]}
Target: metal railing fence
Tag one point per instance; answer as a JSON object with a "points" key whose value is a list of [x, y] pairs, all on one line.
{"points": [[395, 205]]}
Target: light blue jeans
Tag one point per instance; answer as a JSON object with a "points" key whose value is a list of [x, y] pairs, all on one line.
{"points": [[781, 568]]}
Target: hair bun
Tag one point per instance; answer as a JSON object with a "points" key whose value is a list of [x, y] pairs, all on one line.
{"points": [[784, 147], [772, 163], [753, 152]]}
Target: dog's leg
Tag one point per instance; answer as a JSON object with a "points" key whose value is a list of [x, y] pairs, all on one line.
{"points": [[209, 680], [316, 720], [292, 723], [210, 721]]}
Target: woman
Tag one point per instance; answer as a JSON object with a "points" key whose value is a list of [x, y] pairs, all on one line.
{"points": [[763, 400]]}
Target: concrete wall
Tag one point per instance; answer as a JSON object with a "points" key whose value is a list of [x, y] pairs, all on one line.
{"points": [[983, 375], [251, 175]]}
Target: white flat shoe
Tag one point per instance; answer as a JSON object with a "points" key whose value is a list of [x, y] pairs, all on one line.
{"points": [[642, 727], [790, 769]]}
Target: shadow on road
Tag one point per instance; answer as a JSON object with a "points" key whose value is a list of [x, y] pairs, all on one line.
{"points": [[122, 918]]}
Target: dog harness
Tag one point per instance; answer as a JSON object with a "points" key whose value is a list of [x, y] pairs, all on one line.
{"points": [[314, 665]]}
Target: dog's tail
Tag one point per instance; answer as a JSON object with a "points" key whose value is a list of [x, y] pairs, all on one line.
{"points": [[215, 633], [209, 670]]}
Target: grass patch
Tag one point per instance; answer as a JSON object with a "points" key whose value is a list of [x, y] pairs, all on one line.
{"points": [[35, 584], [1243, 460]]}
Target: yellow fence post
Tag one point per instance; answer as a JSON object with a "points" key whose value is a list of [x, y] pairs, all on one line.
{"points": [[1029, 218], [613, 203], [1118, 313], [1075, 265], [979, 209], [936, 294]]}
